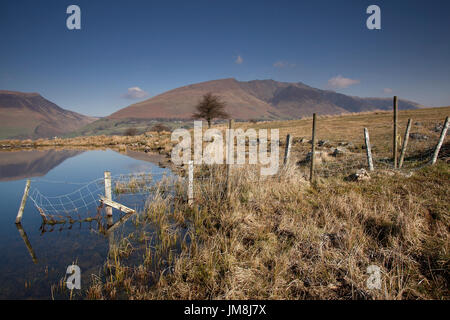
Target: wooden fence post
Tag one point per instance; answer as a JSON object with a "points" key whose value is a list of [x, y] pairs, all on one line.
{"points": [[395, 131], [313, 149], [441, 140], [405, 144], [287, 150], [191, 182], [23, 202], [229, 156], [368, 149], [108, 192], [27, 242]]}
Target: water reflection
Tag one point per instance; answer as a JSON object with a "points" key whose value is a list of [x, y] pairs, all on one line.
{"points": [[16, 165], [107, 231], [24, 236], [35, 257]]}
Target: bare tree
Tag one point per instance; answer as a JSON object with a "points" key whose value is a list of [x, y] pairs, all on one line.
{"points": [[209, 108]]}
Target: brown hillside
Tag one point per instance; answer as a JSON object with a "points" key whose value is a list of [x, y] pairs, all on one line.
{"points": [[257, 99], [29, 115]]}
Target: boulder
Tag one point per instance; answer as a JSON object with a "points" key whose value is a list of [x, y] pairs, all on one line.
{"points": [[323, 143], [418, 136], [299, 140], [360, 175], [339, 151], [438, 127]]}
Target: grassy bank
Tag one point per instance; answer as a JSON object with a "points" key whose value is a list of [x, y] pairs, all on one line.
{"points": [[282, 238]]}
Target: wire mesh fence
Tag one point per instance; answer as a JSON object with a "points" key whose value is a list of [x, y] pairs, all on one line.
{"points": [[84, 201], [336, 155]]}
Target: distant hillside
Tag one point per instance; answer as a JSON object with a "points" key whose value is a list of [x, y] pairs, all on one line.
{"points": [[257, 99], [29, 115]]}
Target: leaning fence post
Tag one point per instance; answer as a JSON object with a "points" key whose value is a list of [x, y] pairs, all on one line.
{"points": [[229, 156], [191, 182], [313, 149], [395, 131], [441, 140], [368, 149], [287, 149], [27, 242], [405, 144], [23, 202], [108, 193]]}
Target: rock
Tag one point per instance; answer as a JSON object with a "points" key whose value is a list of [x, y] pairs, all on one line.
{"points": [[418, 136], [323, 143], [360, 175], [162, 164], [339, 151], [438, 127], [418, 123], [299, 140], [346, 144]]}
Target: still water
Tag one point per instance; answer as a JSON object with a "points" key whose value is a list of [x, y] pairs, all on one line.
{"points": [[26, 274]]}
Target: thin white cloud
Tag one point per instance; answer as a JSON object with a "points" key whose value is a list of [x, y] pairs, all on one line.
{"points": [[239, 60], [135, 93], [283, 64], [387, 90], [339, 82]]}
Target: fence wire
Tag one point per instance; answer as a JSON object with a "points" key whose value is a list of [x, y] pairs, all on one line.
{"points": [[85, 200]]}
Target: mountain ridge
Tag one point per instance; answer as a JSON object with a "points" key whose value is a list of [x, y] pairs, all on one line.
{"points": [[255, 99], [29, 115]]}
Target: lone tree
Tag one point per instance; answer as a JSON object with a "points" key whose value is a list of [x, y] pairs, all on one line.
{"points": [[209, 108]]}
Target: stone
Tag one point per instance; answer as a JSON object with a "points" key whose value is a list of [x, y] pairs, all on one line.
{"points": [[438, 127], [339, 151], [360, 175], [418, 136], [299, 140], [323, 143]]}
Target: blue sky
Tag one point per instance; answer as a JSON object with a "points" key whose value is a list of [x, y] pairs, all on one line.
{"points": [[160, 45]]}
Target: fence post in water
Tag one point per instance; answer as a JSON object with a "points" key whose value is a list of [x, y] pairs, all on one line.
{"points": [[395, 131], [441, 140], [368, 149], [191, 182], [405, 144], [23, 202], [108, 193], [229, 156], [27, 242], [313, 149], [287, 150]]}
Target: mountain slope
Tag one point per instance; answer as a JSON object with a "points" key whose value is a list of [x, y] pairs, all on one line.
{"points": [[29, 115], [257, 99]]}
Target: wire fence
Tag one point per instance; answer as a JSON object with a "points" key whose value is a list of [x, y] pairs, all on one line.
{"points": [[334, 157], [84, 201]]}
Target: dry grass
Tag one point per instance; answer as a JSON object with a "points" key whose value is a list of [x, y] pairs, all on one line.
{"points": [[282, 238]]}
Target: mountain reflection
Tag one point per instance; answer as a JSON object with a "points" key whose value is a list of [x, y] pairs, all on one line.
{"points": [[18, 165]]}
